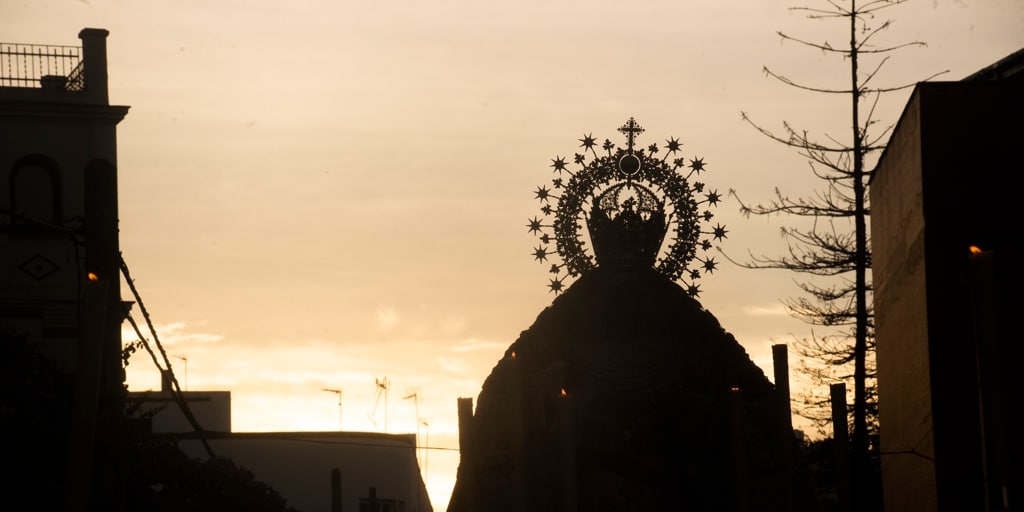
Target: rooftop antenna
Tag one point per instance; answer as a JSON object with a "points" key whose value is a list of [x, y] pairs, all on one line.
{"points": [[414, 395], [337, 392], [184, 359], [383, 385], [426, 446]]}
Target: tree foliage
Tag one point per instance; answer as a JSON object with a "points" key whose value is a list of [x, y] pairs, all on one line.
{"points": [[830, 245]]}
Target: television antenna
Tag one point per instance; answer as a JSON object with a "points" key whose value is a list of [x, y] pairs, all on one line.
{"points": [[414, 395], [383, 385], [337, 392], [184, 359], [426, 446]]}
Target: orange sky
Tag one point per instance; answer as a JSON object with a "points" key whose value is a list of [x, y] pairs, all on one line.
{"points": [[317, 194]]}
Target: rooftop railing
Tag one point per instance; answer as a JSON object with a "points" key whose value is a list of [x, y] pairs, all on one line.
{"points": [[41, 66]]}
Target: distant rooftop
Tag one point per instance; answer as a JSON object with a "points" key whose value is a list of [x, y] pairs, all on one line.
{"points": [[1010, 67]]}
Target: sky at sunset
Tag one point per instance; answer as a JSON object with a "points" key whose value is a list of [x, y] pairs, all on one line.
{"points": [[316, 194]]}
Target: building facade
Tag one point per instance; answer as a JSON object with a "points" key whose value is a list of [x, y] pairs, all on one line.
{"points": [[58, 195], [59, 258], [314, 471], [945, 234]]}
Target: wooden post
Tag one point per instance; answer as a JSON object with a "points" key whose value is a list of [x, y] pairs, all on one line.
{"points": [[739, 448], [336, 490], [517, 421], [467, 467], [841, 438], [780, 358], [992, 404], [371, 502], [86, 394], [567, 429], [103, 259]]}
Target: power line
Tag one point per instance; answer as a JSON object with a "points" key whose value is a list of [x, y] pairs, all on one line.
{"points": [[175, 388], [271, 435]]}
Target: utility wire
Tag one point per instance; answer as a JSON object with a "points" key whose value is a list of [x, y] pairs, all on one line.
{"points": [[175, 388], [291, 436]]}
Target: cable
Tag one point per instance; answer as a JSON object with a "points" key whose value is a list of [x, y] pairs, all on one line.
{"points": [[175, 388], [281, 436]]}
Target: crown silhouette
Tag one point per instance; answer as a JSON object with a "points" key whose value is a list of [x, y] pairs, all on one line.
{"points": [[629, 199], [627, 225]]}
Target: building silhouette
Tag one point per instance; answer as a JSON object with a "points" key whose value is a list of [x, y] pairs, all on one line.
{"points": [[58, 205], [304, 467], [947, 275], [59, 258], [60, 284]]}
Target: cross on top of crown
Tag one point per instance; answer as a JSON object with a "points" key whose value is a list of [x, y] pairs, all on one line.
{"points": [[631, 130]]}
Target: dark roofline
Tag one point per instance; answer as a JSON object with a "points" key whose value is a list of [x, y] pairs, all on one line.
{"points": [[1009, 67], [335, 436]]}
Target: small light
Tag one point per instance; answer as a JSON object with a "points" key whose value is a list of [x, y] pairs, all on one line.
{"points": [[975, 249], [513, 354], [734, 388], [93, 277], [564, 393]]}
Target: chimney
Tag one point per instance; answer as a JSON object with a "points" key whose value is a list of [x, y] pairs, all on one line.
{"points": [[94, 62], [165, 381]]}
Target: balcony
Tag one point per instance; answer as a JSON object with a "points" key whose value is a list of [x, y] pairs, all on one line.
{"points": [[38, 73], [41, 67]]}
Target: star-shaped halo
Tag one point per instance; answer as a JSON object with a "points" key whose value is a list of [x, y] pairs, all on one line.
{"points": [[667, 174]]}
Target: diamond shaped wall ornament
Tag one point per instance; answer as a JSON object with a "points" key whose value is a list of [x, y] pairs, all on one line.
{"points": [[38, 267], [629, 199]]}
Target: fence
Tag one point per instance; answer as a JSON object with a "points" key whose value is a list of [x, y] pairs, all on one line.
{"points": [[32, 65]]}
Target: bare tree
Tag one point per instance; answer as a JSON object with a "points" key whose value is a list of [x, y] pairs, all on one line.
{"points": [[833, 245]]}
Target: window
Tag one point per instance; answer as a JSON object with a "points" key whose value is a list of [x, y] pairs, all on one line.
{"points": [[35, 191]]}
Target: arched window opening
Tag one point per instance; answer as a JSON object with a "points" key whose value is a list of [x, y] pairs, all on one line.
{"points": [[35, 189]]}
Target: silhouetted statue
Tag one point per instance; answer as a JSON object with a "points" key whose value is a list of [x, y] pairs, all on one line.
{"points": [[625, 394]]}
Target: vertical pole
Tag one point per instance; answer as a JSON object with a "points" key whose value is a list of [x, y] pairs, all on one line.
{"points": [[103, 259], [336, 490], [517, 420], [467, 467], [780, 358], [991, 403], [840, 437], [567, 428], [739, 449], [372, 500], [86, 395]]}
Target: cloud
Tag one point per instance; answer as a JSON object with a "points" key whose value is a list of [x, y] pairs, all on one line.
{"points": [[451, 365], [453, 325], [772, 310], [174, 333], [386, 318], [474, 344]]}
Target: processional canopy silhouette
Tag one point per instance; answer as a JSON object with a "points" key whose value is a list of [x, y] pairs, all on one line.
{"points": [[629, 199]]}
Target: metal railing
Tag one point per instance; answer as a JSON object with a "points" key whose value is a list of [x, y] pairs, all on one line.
{"points": [[30, 65]]}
